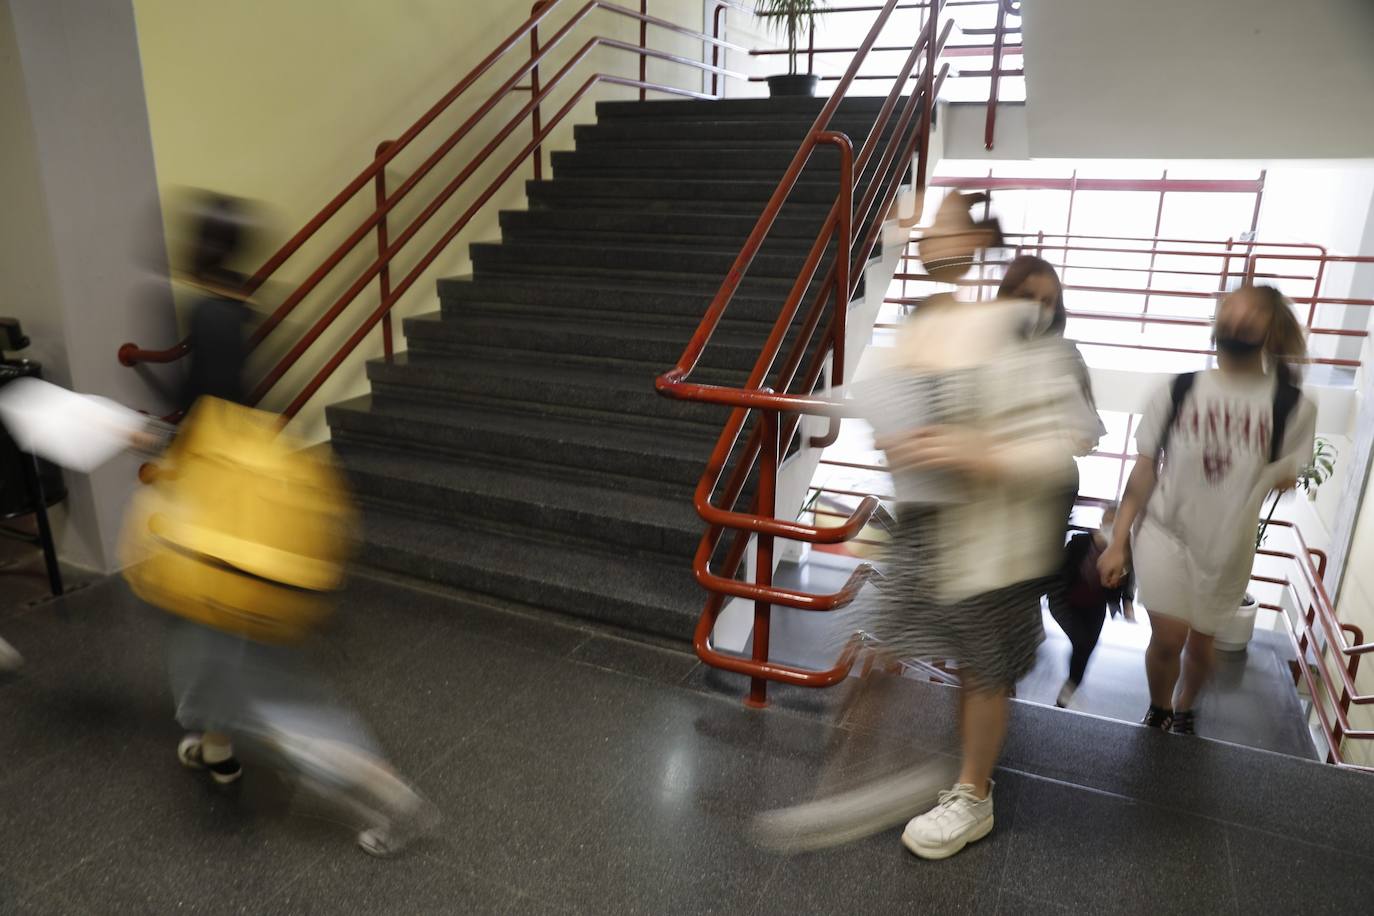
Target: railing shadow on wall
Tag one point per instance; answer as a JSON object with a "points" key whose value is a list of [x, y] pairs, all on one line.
{"points": [[486, 115]]}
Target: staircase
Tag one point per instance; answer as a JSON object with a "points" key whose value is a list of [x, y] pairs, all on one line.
{"points": [[518, 448]]}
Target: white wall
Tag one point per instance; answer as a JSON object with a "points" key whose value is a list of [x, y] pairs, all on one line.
{"points": [[78, 184], [286, 102], [1186, 79]]}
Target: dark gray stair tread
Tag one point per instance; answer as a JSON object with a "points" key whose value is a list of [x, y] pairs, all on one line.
{"points": [[541, 386], [574, 254], [620, 588], [735, 108], [708, 132], [725, 159], [720, 227], [471, 429], [622, 343], [721, 191], [433, 324], [602, 294], [522, 498]]}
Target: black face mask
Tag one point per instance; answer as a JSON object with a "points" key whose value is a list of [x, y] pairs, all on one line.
{"points": [[1235, 346]]}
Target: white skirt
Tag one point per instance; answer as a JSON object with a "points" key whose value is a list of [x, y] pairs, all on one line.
{"points": [[1172, 584]]}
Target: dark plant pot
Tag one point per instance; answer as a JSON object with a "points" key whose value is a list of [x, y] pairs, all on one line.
{"points": [[793, 85]]}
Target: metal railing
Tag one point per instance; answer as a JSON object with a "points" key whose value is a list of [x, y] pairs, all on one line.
{"points": [[1181, 270], [1327, 650], [996, 50], [524, 77], [900, 133]]}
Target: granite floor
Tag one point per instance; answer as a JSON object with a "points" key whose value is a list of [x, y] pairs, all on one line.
{"points": [[581, 772]]}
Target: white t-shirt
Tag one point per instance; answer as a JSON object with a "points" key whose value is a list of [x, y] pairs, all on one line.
{"points": [[1216, 472]]}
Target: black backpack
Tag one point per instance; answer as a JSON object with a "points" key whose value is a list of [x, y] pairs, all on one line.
{"points": [[1286, 396]]}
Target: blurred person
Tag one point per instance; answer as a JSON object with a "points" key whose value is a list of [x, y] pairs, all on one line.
{"points": [[235, 677], [1081, 602], [1212, 445], [981, 425]]}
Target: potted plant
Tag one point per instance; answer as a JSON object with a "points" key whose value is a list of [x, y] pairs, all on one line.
{"points": [[790, 17], [1235, 636]]}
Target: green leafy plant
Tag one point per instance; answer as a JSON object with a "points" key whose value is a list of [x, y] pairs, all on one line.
{"points": [[1318, 472], [790, 17]]}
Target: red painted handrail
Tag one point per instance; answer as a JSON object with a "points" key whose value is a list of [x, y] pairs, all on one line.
{"points": [[131, 354], [855, 230]]}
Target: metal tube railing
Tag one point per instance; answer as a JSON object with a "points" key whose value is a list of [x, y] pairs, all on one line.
{"points": [[772, 433]]}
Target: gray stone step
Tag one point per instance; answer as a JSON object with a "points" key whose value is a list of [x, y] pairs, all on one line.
{"points": [[750, 109], [537, 386], [463, 494], [658, 461], [754, 302], [632, 590]]}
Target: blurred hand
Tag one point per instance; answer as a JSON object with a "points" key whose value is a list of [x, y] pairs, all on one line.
{"points": [[144, 441], [947, 448], [1112, 564], [1288, 483]]}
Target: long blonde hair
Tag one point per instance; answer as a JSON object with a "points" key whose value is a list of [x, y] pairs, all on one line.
{"points": [[1285, 346]]}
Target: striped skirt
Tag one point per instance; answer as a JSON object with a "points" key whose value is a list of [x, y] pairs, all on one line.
{"points": [[992, 637]]}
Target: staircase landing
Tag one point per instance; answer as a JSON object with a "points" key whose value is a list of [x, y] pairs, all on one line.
{"points": [[580, 773]]}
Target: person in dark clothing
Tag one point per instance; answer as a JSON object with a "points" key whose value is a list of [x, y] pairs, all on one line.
{"points": [[219, 316], [1081, 604]]}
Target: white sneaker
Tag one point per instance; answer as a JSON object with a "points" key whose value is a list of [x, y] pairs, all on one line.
{"points": [[960, 818], [10, 659], [1066, 694]]}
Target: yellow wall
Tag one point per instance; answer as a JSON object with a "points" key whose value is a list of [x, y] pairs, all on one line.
{"points": [[285, 102]]}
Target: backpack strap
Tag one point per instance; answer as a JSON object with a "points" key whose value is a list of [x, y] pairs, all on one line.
{"points": [[1182, 384], [1286, 396]]}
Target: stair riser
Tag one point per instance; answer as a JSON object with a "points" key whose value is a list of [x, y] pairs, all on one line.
{"points": [[736, 132], [748, 109], [556, 258], [457, 335], [654, 475], [456, 295], [512, 587], [460, 508], [668, 193], [721, 230], [543, 397]]}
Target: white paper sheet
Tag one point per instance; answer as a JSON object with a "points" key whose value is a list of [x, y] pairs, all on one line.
{"points": [[76, 431]]}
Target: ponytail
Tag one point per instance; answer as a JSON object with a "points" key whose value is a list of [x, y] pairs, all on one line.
{"points": [[1286, 344]]}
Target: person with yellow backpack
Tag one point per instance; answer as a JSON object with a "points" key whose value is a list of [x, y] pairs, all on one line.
{"points": [[244, 534]]}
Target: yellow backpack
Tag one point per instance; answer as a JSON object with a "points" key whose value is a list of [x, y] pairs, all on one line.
{"points": [[242, 529]]}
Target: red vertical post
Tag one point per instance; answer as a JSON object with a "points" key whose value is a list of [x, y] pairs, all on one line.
{"points": [[811, 50], [998, 34], [1154, 250], [643, 46], [927, 99], [844, 286], [715, 49], [384, 275], [763, 565], [535, 119]]}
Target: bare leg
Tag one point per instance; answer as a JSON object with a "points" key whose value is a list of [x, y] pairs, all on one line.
{"points": [[1197, 667], [1167, 637], [983, 728]]}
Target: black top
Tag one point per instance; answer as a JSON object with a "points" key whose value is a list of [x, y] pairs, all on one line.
{"points": [[1082, 585], [219, 351]]}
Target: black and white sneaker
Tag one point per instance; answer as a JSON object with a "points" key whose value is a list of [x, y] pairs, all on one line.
{"points": [[1184, 722], [224, 772], [1158, 717]]}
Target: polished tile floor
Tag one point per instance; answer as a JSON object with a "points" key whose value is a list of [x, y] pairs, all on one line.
{"points": [[582, 773]]}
